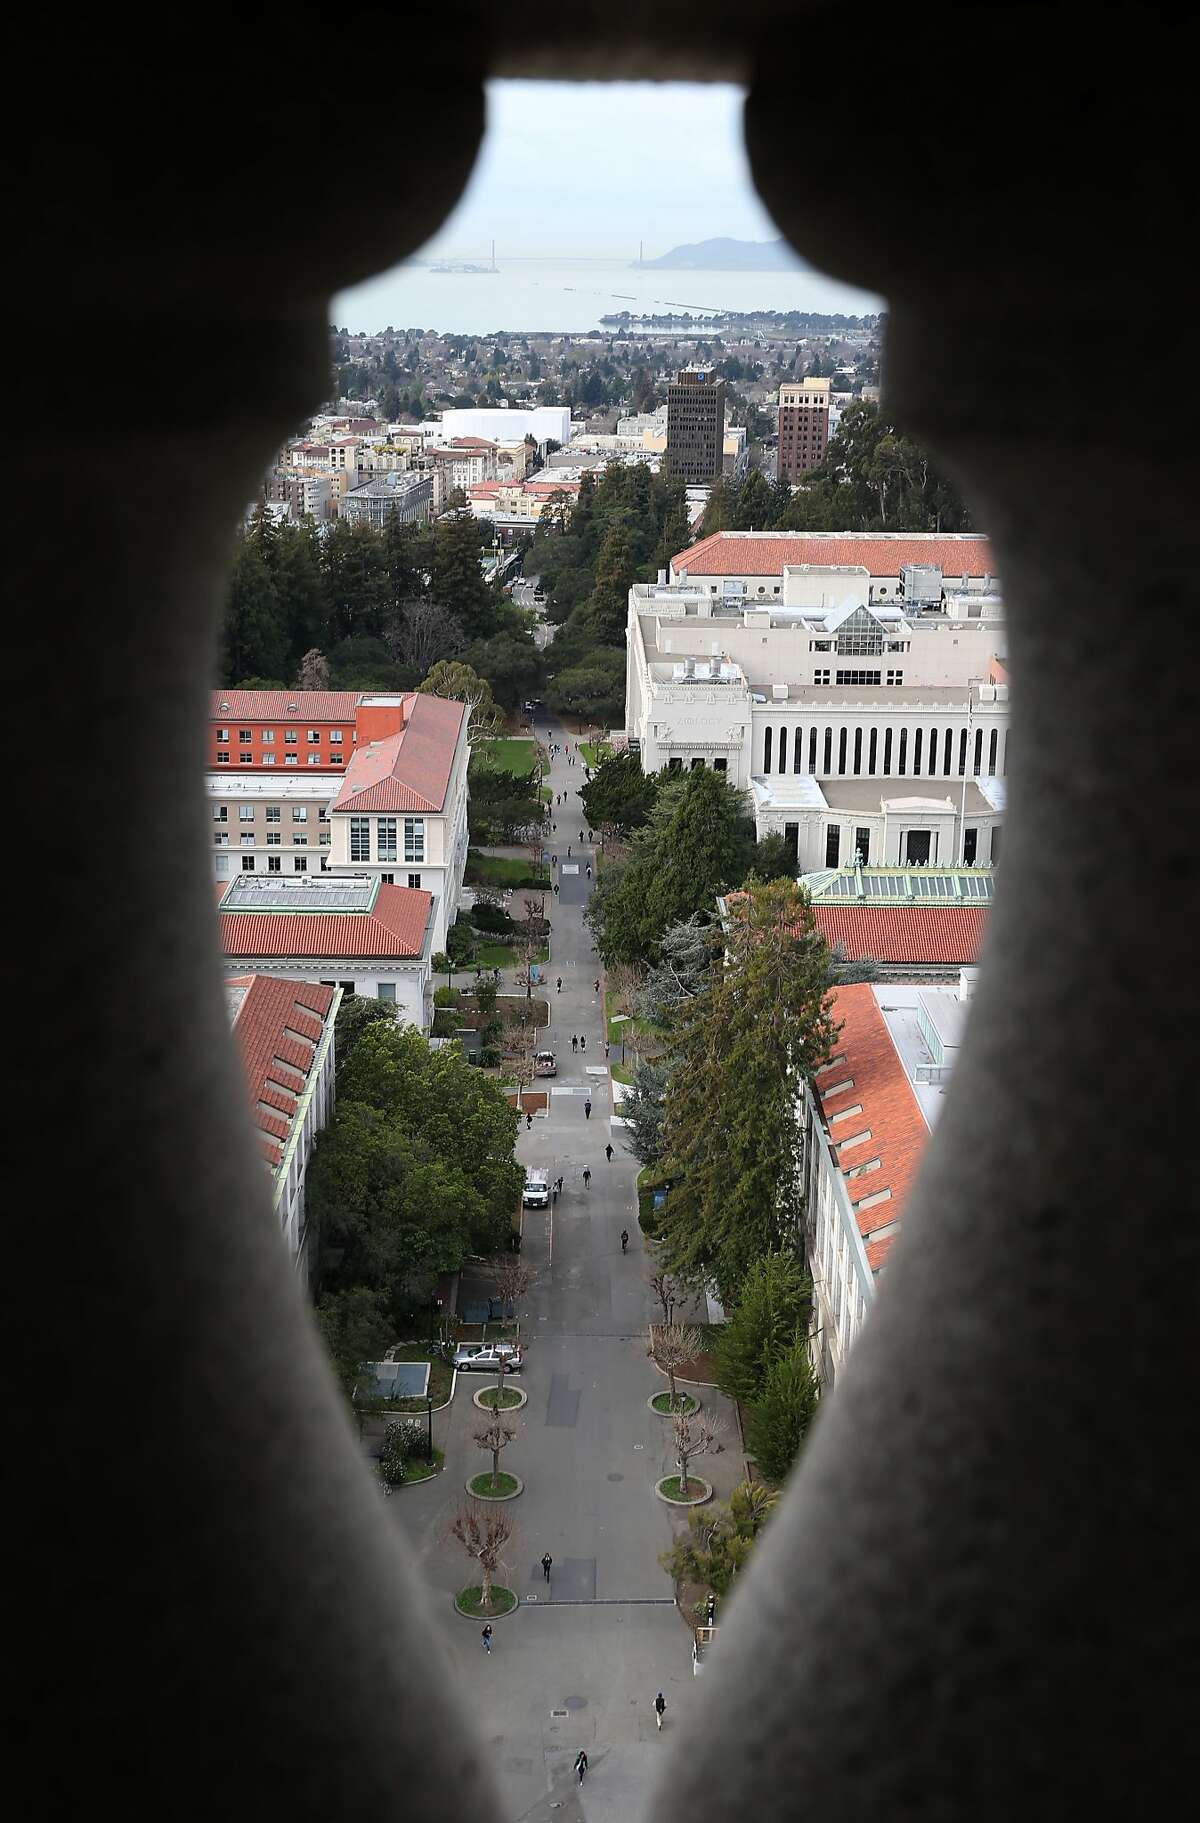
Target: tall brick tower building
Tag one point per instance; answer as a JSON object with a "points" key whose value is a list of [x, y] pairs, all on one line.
{"points": [[695, 424], [803, 427]]}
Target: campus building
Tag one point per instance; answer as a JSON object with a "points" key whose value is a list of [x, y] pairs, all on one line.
{"points": [[695, 425], [803, 428]]}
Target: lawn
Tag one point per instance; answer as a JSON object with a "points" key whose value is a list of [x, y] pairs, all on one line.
{"points": [[508, 755], [504, 870], [503, 955], [594, 751], [622, 1072]]}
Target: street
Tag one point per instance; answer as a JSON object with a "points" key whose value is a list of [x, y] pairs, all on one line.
{"points": [[578, 1664]]}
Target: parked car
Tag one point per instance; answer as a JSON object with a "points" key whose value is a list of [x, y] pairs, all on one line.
{"points": [[536, 1194], [545, 1064], [485, 1357]]}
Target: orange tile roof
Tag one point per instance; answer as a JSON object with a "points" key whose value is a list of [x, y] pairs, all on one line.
{"points": [[277, 1026], [276, 705], [393, 931], [408, 771], [867, 1059], [765, 553], [945, 935]]}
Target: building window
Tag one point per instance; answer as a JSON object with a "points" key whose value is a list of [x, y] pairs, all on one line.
{"points": [[274, 864], [246, 841], [222, 759], [386, 990], [862, 847], [858, 677], [247, 864], [932, 751], [414, 881], [827, 768], [221, 840], [244, 736], [697, 765], [324, 838], [289, 759], [414, 838], [768, 743], [335, 737], [322, 813], [977, 768], [273, 813], [274, 839], [812, 750], [299, 841], [299, 813], [970, 846], [245, 759], [895, 677], [314, 736], [887, 753], [841, 752], [821, 677], [289, 737], [245, 813], [222, 734], [791, 835], [872, 750], [387, 879], [268, 737], [675, 764], [783, 750], [267, 759], [917, 844], [385, 839], [299, 864], [948, 752], [720, 765], [992, 745], [314, 759], [917, 738], [833, 844], [962, 753], [360, 838], [858, 733], [220, 813], [902, 762]]}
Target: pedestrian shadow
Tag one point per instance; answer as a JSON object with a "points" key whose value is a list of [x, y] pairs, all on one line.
{"points": [[571, 1579]]}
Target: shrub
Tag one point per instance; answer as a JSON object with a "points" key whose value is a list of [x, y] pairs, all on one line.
{"points": [[492, 918], [772, 1307], [778, 1422], [445, 996], [402, 1440], [460, 940]]}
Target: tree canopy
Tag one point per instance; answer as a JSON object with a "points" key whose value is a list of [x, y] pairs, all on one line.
{"points": [[619, 795]]}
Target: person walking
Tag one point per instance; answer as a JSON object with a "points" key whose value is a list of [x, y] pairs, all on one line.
{"points": [[528, 1122], [486, 1637], [581, 1765], [608, 1153], [624, 1240], [568, 851], [554, 860], [596, 985], [587, 1108], [574, 1042], [606, 1049], [558, 984], [589, 870], [554, 1196], [660, 1709], [558, 1186], [581, 838], [587, 1177], [583, 1042], [547, 1561], [556, 889]]}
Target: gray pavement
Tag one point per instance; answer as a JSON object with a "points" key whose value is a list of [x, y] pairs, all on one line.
{"points": [[579, 1663]]}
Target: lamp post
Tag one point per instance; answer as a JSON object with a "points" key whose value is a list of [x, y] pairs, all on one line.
{"points": [[429, 1420]]}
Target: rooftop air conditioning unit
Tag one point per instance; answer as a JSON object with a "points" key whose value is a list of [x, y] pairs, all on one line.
{"points": [[779, 693]]}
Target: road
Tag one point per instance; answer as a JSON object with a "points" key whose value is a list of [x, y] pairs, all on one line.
{"points": [[578, 1664]]}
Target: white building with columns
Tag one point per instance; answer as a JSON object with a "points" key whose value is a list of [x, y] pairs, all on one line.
{"points": [[857, 721]]}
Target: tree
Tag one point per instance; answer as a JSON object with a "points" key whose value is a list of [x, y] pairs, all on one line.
{"points": [[460, 684], [774, 1304], [742, 1046], [442, 964], [671, 1346], [456, 583], [494, 1436], [779, 1419], [619, 795], [402, 1440], [695, 1434], [616, 572], [643, 1109], [593, 690], [354, 1328], [314, 671], [356, 1015], [719, 1540], [513, 1279], [483, 1534], [423, 635], [668, 1291], [255, 640], [685, 954], [775, 859]]}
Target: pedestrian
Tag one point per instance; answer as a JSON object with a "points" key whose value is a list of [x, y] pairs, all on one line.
{"points": [[559, 1184], [581, 837], [624, 1240], [581, 1765], [606, 1049], [559, 984], [486, 1637], [660, 1704], [556, 889], [587, 1177], [574, 1042], [528, 1122], [608, 1153], [589, 870], [568, 851], [596, 985], [547, 1561], [712, 1608], [583, 1042], [554, 1196], [554, 860], [587, 1108], [590, 837]]}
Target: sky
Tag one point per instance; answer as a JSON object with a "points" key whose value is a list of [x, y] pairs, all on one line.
{"points": [[593, 168]]}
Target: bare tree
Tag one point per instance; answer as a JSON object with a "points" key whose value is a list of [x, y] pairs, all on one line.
{"points": [[513, 1279], [494, 1436], [423, 634], [670, 1346], [314, 671], [695, 1434], [483, 1534], [668, 1291]]}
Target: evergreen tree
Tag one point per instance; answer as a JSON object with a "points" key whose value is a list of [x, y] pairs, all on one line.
{"points": [[301, 589], [779, 1421], [685, 955], [619, 795], [456, 580], [643, 1109], [741, 1047], [355, 586], [255, 643], [461, 684], [773, 1306], [616, 571]]}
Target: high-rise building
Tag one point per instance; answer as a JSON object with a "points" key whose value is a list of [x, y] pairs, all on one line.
{"points": [[695, 424], [803, 427]]}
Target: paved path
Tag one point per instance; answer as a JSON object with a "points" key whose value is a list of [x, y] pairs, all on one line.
{"points": [[580, 1662]]}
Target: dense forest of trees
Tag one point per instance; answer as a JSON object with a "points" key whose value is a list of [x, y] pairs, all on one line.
{"points": [[349, 607]]}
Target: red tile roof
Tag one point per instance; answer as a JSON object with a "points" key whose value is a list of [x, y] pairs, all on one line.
{"points": [[408, 771], [867, 1059], [765, 553], [394, 931], [278, 1026], [277, 705], [946, 935], [472, 443]]}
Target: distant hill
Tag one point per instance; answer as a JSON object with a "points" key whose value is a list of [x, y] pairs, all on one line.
{"points": [[725, 255]]}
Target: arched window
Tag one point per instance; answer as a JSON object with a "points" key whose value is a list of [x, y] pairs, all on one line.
{"points": [[827, 768], [993, 744], [812, 750], [949, 752], [841, 751], [783, 750], [858, 753], [962, 753], [978, 765], [1004, 762], [932, 752], [768, 738], [918, 736], [872, 746], [902, 762], [887, 753], [798, 751]]}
